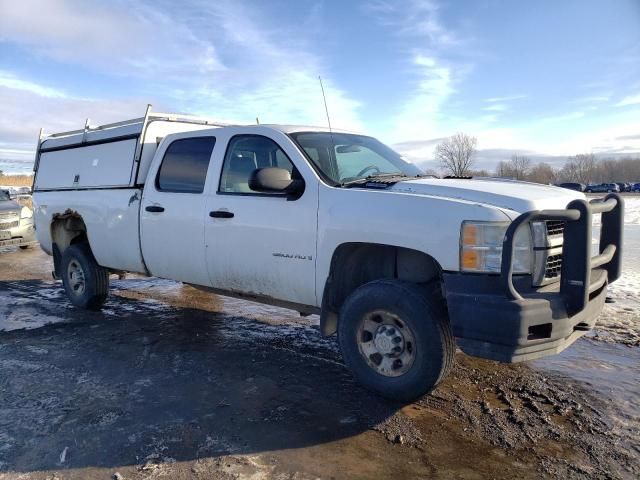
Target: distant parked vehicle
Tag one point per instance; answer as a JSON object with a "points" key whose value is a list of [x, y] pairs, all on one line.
{"points": [[580, 187], [11, 191], [603, 187], [636, 187], [624, 187], [16, 223]]}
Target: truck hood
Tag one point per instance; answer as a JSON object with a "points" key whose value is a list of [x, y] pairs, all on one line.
{"points": [[506, 194], [9, 206]]}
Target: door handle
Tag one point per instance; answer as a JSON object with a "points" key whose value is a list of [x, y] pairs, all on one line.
{"points": [[154, 208], [221, 214]]}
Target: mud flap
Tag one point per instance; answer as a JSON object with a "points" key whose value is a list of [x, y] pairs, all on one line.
{"points": [[57, 257]]}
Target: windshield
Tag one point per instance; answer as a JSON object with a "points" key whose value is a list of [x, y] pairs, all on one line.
{"points": [[345, 157], [4, 196]]}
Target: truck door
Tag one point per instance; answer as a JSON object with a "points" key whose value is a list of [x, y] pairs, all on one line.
{"points": [[261, 243], [173, 210]]}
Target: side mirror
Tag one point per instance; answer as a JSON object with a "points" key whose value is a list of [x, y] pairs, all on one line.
{"points": [[275, 180]]}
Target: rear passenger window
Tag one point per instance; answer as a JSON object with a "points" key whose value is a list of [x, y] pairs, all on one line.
{"points": [[184, 166], [247, 153]]}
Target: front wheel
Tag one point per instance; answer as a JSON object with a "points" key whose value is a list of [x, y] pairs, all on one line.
{"points": [[396, 339], [85, 282]]}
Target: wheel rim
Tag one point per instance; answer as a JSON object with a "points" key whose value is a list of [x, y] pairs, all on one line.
{"points": [[386, 343], [75, 276]]}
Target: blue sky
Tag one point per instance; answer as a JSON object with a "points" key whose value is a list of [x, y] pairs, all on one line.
{"points": [[549, 78]]}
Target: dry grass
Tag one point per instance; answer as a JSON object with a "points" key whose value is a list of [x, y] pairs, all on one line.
{"points": [[16, 180]]}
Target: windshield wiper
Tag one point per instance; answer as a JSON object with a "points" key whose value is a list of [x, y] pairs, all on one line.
{"points": [[377, 180]]}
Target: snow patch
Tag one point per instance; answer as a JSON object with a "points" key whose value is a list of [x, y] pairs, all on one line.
{"points": [[18, 314], [631, 212]]}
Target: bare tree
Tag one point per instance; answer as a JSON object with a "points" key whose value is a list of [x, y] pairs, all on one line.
{"points": [[541, 173], [569, 172], [582, 168], [456, 154], [609, 170], [479, 173], [520, 166], [503, 170]]}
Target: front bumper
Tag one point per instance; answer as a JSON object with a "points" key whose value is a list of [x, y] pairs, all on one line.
{"points": [[502, 317], [487, 324], [22, 235]]}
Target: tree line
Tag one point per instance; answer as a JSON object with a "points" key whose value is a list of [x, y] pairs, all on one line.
{"points": [[456, 157], [15, 180]]}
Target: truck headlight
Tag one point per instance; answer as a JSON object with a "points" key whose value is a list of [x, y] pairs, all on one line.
{"points": [[26, 212], [481, 247]]}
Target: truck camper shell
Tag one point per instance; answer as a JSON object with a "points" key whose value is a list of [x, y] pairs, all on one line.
{"points": [[115, 155]]}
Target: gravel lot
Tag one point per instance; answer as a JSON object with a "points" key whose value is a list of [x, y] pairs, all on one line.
{"points": [[170, 382]]}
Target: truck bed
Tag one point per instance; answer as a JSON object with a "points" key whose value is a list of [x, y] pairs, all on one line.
{"points": [[111, 217]]}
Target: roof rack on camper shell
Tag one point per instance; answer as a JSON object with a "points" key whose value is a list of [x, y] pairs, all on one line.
{"points": [[115, 129], [140, 122], [131, 141]]}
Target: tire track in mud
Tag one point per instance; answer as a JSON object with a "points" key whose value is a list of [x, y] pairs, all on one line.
{"points": [[149, 388], [81, 379]]}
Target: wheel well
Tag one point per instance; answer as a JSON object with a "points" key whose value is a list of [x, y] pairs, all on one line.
{"points": [[67, 229], [354, 264]]}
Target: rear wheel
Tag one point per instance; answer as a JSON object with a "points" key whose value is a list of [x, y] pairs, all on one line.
{"points": [[396, 339], [85, 282]]}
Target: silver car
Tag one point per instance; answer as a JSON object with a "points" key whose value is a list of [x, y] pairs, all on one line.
{"points": [[16, 223]]}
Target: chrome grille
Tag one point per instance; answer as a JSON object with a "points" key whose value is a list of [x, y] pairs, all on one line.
{"points": [[8, 215], [8, 225], [555, 227], [553, 266]]}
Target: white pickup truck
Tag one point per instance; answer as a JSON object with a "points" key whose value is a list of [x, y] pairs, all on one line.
{"points": [[403, 267]]}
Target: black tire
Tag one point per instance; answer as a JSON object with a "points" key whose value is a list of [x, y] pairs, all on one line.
{"points": [[95, 279], [420, 308]]}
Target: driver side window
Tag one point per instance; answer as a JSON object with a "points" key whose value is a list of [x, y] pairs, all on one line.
{"points": [[245, 154]]}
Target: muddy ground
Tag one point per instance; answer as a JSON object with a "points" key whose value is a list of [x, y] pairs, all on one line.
{"points": [[170, 382]]}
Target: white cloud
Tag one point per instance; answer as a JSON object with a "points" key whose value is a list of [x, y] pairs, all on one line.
{"points": [[507, 98], [9, 80], [261, 78], [564, 117], [266, 78], [496, 107], [131, 39], [420, 114], [593, 99], [499, 143], [415, 18], [292, 97], [630, 100], [417, 23], [27, 106]]}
